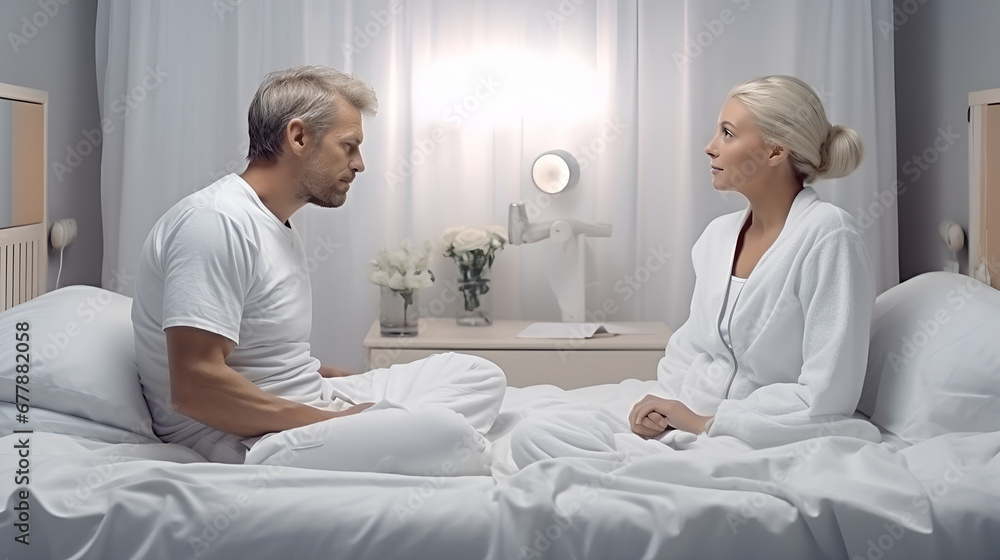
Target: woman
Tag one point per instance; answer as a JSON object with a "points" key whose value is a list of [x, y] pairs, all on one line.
{"points": [[775, 347]]}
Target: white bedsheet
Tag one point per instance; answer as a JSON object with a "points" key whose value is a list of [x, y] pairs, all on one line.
{"points": [[826, 498]]}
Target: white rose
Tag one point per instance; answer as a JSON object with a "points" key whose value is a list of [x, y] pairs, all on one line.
{"points": [[397, 282], [470, 240], [499, 232], [379, 277], [448, 237]]}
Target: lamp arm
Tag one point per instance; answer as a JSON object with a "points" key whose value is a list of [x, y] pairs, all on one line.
{"points": [[589, 230], [520, 230]]}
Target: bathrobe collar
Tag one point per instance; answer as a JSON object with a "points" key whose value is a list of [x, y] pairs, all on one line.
{"points": [[802, 201]]}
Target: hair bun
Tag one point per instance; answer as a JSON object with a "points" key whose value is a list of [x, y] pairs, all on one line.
{"points": [[788, 113], [841, 154]]}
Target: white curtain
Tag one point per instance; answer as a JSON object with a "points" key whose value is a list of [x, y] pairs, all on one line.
{"points": [[471, 92]]}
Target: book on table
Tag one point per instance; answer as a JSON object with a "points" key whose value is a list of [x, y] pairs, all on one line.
{"points": [[578, 330]]}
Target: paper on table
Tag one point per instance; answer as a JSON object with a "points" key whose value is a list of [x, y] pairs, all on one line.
{"points": [[577, 330]]}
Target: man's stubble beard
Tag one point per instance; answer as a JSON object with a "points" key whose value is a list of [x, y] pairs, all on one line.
{"points": [[313, 180]]}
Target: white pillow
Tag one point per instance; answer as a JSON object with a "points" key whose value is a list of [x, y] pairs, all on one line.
{"points": [[44, 420], [82, 355], [934, 359]]}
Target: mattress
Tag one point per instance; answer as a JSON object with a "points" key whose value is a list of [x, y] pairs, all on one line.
{"points": [[825, 498], [82, 475]]}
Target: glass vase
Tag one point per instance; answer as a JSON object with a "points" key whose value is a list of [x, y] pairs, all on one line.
{"points": [[398, 312], [474, 308]]}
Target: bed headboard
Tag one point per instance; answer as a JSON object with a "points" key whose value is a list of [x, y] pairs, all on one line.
{"points": [[23, 200], [984, 185]]}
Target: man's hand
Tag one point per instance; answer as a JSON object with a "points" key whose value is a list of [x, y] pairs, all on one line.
{"points": [[654, 415], [350, 411], [333, 371]]}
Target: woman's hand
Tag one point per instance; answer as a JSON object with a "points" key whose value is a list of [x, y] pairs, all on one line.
{"points": [[654, 415]]}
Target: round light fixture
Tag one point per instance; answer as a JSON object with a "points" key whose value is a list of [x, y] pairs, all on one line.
{"points": [[555, 171]]}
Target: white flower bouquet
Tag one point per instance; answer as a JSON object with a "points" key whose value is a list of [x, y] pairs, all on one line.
{"points": [[474, 250], [472, 247], [400, 273], [403, 270]]}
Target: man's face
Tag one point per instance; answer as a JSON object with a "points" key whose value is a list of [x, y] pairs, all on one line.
{"points": [[332, 163]]}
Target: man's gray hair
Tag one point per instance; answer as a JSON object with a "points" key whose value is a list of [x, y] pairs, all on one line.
{"points": [[304, 92]]}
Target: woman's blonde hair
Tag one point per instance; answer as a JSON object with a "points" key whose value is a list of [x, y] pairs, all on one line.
{"points": [[788, 113]]}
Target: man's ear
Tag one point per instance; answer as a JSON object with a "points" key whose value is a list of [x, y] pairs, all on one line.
{"points": [[777, 155], [297, 136]]}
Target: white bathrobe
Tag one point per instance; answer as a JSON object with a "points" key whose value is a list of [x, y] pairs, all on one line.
{"points": [[799, 331]]}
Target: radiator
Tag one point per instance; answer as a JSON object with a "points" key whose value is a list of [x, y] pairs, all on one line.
{"points": [[22, 264]]}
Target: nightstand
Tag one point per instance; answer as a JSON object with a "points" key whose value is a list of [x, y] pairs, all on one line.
{"points": [[567, 363]]}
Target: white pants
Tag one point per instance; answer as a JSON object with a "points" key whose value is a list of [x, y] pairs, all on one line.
{"points": [[430, 418], [559, 427]]}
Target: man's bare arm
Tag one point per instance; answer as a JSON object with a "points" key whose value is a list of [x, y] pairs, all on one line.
{"points": [[333, 371], [203, 387]]}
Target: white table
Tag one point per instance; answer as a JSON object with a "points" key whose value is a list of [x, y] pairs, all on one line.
{"points": [[567, 363]]}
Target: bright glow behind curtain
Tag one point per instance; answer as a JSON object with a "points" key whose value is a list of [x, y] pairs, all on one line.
{"points": [[470, 93]]}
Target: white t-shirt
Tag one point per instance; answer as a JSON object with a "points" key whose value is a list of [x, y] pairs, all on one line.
{"points": [[220, 261]]}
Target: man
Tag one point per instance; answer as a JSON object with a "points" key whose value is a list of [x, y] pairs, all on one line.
{"points": [[222, 309]]}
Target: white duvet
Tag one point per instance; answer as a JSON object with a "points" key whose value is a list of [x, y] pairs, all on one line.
{"points": [[823, 498]]}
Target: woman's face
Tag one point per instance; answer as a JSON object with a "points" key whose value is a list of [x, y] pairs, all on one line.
{"points": [[739, 155]]}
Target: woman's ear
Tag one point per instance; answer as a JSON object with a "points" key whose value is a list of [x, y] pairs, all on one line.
{"points": [[778, 154]]}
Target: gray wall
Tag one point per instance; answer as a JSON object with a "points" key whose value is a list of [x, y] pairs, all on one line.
{"points": [[944, 49], [54, 51]]}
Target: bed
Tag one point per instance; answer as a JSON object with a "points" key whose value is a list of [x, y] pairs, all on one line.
{"points": [[90, 480]]}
